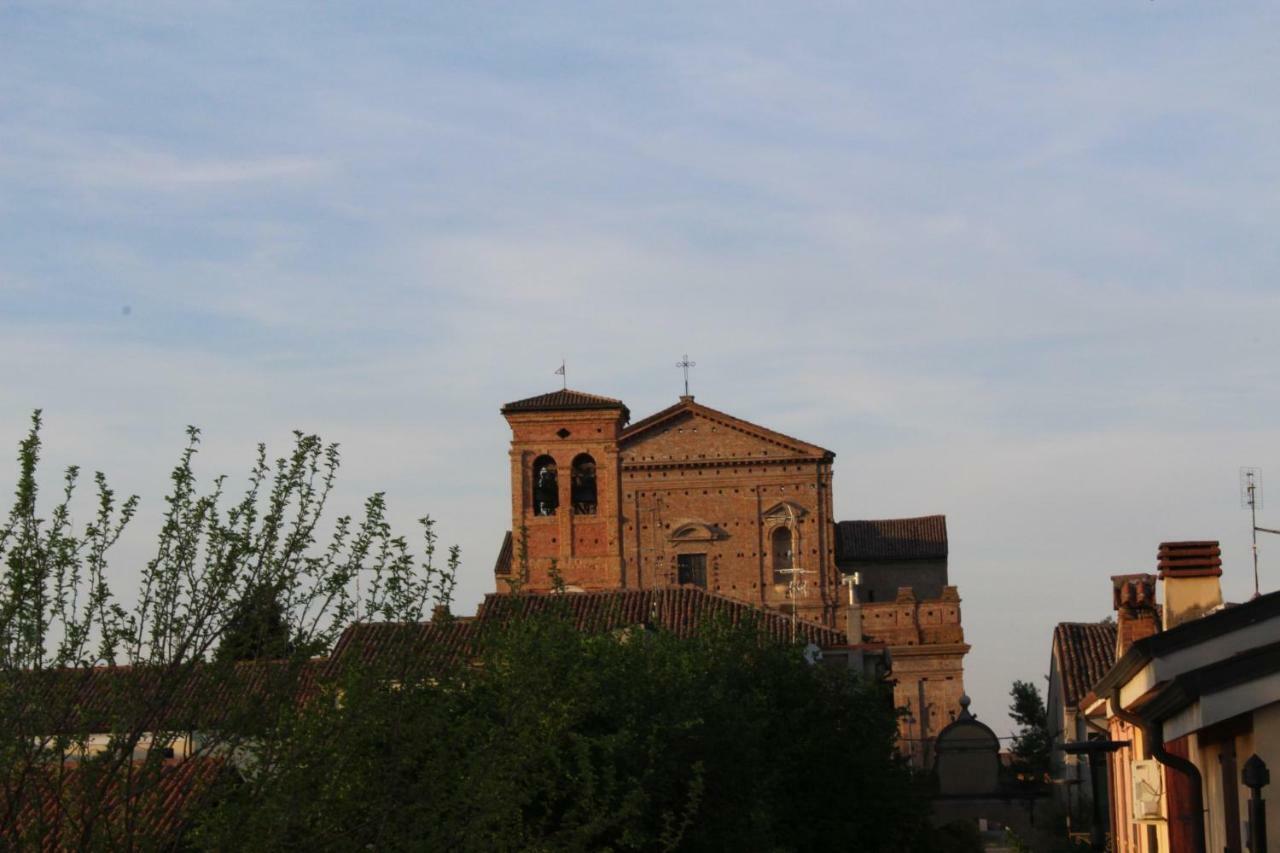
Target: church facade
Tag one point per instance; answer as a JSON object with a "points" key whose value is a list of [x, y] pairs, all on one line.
{"points": [[693, 496]]}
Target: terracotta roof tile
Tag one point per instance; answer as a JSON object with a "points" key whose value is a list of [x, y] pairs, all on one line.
{"points": [[1083, 651], [111, 698], [566, 399], [677, 609], [159, 809], [923, 538], [1189, 559], [428, 645]]}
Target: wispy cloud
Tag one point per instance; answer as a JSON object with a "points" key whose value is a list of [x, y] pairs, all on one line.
{"points": [[1014, 264], [103, 162]]}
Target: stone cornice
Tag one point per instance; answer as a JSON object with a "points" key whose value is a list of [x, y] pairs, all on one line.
{"points": [[926, 650], [657, 464]]}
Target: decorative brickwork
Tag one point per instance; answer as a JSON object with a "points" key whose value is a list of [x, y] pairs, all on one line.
{"points": [[693, 496], [689, 490], [927, 649], [1137, 614]]}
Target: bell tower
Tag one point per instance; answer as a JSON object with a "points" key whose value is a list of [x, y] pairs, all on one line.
{"points": [[566, 490]]}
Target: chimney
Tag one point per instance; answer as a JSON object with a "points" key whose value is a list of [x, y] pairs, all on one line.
{"points": [[440, 613], [1190, 571], [853, 613], [853, 626], [1134, 599]]}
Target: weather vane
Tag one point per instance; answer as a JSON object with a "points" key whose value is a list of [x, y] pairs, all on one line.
{"points": [[564, 380], [684, 364]]}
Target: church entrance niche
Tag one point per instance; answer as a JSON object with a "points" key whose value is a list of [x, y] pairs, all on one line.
{"points": [[692, 569], [583, 493], [546, 492], [780, 543]]}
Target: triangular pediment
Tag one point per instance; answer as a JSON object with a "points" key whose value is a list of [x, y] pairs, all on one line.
{"points": [[692, 432], [784, 512]]}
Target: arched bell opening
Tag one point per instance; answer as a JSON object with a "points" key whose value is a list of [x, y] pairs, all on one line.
{"points": [[546, 491], [583, 492]]}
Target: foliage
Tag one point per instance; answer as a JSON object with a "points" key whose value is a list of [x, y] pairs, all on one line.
{"points": [[257, 629], [251, 577], [958, 836], [1033, 742], [548, 739], [560, 740]]}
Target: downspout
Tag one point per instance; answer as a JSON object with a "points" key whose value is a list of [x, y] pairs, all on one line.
{"points": [[1153, 734]]}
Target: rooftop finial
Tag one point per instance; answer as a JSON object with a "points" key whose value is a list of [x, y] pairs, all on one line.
{"points": [[564, 381], [684, 364]]}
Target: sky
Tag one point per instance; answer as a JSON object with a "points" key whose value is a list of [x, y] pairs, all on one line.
{"points": [[1013, 262]]}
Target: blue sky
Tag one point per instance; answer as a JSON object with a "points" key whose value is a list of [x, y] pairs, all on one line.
{"points": [[1013, 262]]}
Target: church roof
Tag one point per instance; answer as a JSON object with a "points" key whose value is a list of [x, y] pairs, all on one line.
{"points": [[923, 538], [686, 405], [565, 400], [678, 609], [1083, 652]]}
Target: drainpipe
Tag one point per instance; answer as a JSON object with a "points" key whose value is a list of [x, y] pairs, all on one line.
{"points": [[1153, 733]]}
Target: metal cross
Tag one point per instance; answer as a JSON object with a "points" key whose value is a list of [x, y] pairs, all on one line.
{"points": [[685, 364]]}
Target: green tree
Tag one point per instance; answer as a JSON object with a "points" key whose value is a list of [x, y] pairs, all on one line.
{"points": [[96, 690], [1033, 742], [257, 629], [549, 738]]}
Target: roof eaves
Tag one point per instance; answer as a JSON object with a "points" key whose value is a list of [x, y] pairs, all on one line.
{"points": [[1190, 686], [565, 400]]}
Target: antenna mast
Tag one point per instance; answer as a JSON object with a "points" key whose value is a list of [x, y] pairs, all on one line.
{"points": [[797, 587], [1251, 496]]}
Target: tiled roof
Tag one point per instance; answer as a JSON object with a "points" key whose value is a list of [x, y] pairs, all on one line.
{"points": [[159, 813], [566, 399], [110, 698], [923, 538], [677, 609], [1264, 608], [1083, 652], [502, 565], [427, 645]]}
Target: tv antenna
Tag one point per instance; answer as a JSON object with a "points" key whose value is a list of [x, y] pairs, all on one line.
{"points": [[1251, 497], [797, 587]]}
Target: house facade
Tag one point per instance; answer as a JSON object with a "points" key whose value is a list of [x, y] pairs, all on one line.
{"points": [[1193, 695], [1080, 654]]}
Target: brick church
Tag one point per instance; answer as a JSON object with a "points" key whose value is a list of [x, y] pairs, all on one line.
{"points": [[693, 496]]}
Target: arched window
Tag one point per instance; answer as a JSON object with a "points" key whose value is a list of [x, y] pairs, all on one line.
{"points": [[546, 493], [584, 485], [780, 543]]}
